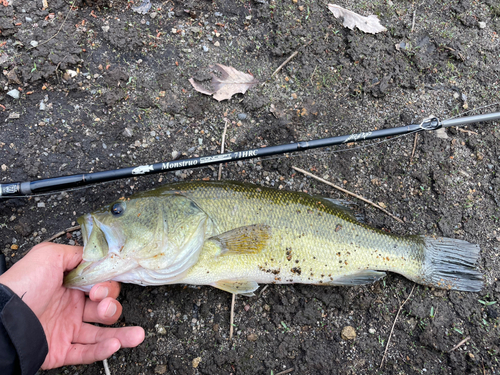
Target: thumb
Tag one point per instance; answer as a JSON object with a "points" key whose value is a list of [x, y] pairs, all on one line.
{"points": [[68, 257]]}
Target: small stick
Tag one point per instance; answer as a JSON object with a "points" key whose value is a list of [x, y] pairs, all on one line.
{"points": [[106, 367], [286, 371], [393, 324], [467, 131], [285, 62], [413, 22], [289, 58], [460, 344], [222, 146], [57, 235], [262, 291], [348, 192], [53, 36], [414, 146], [231, 320]]}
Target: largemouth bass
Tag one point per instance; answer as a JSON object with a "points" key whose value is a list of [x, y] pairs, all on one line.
{"points": [[234, 236]]}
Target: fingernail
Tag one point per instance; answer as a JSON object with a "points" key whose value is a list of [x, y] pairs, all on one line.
{"points": [[101, 293], [111, 310]]}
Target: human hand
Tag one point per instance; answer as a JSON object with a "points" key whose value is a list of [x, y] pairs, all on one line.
{"points": [[63, 313]]}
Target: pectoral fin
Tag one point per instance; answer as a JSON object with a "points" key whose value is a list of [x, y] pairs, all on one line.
{"points": [[251, 239], [243, 287], [358, 278]]}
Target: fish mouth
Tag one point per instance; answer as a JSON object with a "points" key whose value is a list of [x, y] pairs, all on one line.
{"points": [[99, 239], [101, 255]]}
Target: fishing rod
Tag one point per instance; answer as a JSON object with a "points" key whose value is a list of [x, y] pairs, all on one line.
{"points": [[17, 189]]}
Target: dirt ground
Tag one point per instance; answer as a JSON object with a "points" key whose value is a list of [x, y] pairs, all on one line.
{"points": [[103, 87]]}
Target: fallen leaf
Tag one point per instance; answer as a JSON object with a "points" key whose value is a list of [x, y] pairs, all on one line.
{"points": [[226, 83], [370, 24]]}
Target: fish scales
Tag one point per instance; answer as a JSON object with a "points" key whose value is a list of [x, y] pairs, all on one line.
{"points": [[234, 236], [312, 240]]}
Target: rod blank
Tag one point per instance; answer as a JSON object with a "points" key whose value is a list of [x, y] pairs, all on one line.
{"points": [[17, 189]]}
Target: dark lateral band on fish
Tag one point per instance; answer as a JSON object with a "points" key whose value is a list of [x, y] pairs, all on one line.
{"points": [[16, 189]]}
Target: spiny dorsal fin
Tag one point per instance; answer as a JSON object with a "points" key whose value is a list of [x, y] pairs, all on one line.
{"points": [[359, 278], [345, 206], [243, 287], [250, 239]]}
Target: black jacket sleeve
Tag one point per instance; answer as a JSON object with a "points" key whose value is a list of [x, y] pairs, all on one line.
{"points": [[23, 346]]}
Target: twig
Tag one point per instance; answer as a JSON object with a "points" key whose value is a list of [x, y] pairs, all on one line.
{"points": [[289, 58], [414, 146], [460, 344], [262, 291], [348, 192], [57, 32], [413, 22], [286, 371], [393, 324], [57, 235], [467, 131], [222, 146], [106, 367], [231, 319]]}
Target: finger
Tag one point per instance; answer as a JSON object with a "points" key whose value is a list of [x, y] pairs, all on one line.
{"points": [[86, 354], [129, 337], [106, 311], [68, 257], [103, 290]]}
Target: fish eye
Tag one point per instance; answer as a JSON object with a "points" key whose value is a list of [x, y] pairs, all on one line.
{"points": [[118, 208]]}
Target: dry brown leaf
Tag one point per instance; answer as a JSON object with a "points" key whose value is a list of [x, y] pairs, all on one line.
{"points": [[228, 82], [370, 24]]}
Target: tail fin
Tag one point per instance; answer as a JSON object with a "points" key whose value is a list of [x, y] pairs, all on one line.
{"points": [[449, 264]]}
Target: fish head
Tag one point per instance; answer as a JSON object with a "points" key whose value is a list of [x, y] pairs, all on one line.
{"points": [[124, 239]]}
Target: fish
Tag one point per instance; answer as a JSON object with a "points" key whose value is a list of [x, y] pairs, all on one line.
{"points": [[235, 236]]}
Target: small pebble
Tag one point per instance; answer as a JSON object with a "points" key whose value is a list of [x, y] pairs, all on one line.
{"points": [[42, 106], [40, 205], [481, 25], [127, 132], [161, 329], [196, 362], [153, 15], [205, 49], [371, 331], [28, 19], [217, 44], [242, 116], [14, 93], [160, 369], [175, 154], [105, 28], [348, 333], [34, 43], [252, 337], [14, 247]]}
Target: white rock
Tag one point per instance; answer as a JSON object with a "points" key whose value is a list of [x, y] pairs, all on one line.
{"points": [[105, 28], [14, 93], [482, 25], [34, 43]]}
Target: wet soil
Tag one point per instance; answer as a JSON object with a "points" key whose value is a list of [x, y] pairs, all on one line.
{"points": [[103, 87]]}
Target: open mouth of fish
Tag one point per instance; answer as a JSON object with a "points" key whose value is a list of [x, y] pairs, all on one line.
{"points": [[99, 240], [101, 255]]}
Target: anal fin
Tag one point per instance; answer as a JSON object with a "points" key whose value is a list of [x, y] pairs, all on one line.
{"points": [[250, 239], [359, 278], [244, 287]]}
